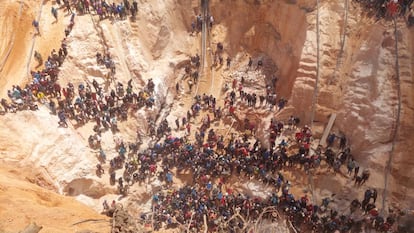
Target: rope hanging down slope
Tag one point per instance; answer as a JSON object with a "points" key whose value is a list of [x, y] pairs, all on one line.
{"points": [[315, 91], [204, 30], [397, 119]]}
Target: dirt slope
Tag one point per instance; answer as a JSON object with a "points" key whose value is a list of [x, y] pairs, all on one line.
{"points": [[22, 201], [16, 33], [32, 140]]}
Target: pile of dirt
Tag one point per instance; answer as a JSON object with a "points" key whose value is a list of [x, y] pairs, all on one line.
{"points": [[122, 222]]}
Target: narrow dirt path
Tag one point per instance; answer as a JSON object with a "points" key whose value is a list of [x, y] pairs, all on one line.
{"points": [[52, 33]]}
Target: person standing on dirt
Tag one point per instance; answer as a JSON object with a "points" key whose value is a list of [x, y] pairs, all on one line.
{"points": [[392, 8], [365, 176], [193, 27], [177, 123], [356, 171], [35, 24], [211, 21], [67, 5], [38, 58], [86, 6], [410, 18], [190, 85], [199, 22], [259, 64], [188, 127], [177, 87], [54, 13]]}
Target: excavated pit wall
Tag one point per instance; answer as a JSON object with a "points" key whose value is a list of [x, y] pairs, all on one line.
{"points": [[361, 88], [62, 154], [264, 31]]}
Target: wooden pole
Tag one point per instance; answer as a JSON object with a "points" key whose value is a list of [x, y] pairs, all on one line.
{"points": [[231, 126], [152, 215], [189, 224], [205, 223]]}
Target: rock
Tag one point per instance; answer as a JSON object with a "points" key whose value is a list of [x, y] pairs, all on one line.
{"points": [[123, 222], [32, 228]]}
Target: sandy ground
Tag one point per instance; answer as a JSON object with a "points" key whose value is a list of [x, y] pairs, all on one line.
{"points": [[30, 194], [16, 34], [25, 198], [20, 40]]}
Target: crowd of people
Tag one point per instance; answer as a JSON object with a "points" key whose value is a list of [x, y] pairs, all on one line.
{"points": [[212, 162], [44, 83], [211, 158], [102, 8], [390, 8]]}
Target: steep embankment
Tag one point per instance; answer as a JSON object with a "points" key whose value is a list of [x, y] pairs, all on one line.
{"points": [[148, 48], [22, 201], [401, 183], [27, 189], [16, 36], [362, 89], [263, 31], [369, 101]]}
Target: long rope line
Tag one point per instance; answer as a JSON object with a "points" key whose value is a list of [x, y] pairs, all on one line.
{"points": [[315, 91], [342, 41], [204, 9], [397, 119]]}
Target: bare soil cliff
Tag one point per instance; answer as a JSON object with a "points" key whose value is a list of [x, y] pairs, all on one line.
{"points": [[25, 197], [357, 77]]}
